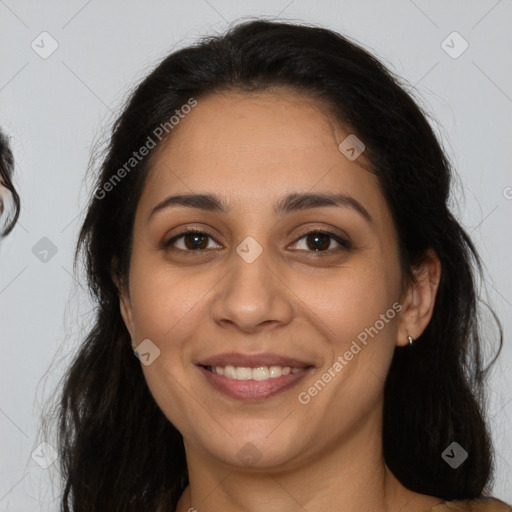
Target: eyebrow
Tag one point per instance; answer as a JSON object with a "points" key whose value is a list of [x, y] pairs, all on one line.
{"points": [[290, 203]]}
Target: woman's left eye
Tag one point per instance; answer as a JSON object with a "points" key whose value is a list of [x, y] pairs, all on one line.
{"points": [[320, 241], [317, 241]]}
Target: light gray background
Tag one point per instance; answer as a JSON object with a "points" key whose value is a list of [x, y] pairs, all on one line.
{"points": [[55, 108]]}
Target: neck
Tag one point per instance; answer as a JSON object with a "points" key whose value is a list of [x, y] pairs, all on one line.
{"points": [[351, 476]]}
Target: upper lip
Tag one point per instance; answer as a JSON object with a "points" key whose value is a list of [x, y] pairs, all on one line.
{"points": [[253, 360]]}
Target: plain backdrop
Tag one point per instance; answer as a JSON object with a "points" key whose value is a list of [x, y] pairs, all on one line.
{"points": [[55, 106]]}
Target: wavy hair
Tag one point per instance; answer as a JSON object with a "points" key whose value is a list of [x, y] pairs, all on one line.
{"points": [[6, 172], [118, 452]]}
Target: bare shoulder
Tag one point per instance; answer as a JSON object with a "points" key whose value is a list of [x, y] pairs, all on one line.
{"points": [[476, 505]]}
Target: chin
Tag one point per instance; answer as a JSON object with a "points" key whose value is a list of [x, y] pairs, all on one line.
{"points": [[257, 452]]}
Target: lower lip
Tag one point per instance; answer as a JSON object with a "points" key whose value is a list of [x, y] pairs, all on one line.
{"points": [[252, 390]]}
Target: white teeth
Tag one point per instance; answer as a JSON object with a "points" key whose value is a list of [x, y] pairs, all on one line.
{"points": [[275, 371], [230, 372], [243, 373], [259, 373]]}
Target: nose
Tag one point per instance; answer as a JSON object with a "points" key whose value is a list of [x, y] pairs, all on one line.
{"points": [[252, 297]]}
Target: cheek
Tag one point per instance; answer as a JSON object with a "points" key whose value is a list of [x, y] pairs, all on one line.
{"points": [[161, 298], [358, 312], [354, 298], [166, 311]]}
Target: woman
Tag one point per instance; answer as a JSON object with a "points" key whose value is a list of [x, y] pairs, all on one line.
{"points": [[8, 216], [270, 234]]}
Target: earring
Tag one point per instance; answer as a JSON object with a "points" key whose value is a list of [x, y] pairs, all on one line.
{"points": [[411, 339]]}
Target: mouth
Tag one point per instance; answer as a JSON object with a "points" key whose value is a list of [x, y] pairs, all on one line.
{"points": [[258, 373], [252, 378]]}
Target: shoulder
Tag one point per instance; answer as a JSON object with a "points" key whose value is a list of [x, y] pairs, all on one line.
{"points": [[476, 505]]}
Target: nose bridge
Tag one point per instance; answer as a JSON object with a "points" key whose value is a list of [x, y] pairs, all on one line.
{"points": [[252, 293]]}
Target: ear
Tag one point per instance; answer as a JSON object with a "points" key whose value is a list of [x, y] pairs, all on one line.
{"points": [[125, 304], [125, 307], [419, 301]]}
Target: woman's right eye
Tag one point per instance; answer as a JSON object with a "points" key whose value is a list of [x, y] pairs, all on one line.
{"points": [[190, 241]]}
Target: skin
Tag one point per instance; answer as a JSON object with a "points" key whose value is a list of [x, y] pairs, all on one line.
{"points": [[322, 456]]}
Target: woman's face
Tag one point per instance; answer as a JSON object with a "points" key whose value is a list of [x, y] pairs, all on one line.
{"points": [[255, 292]]}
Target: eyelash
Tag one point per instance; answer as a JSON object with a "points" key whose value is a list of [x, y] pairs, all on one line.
{"points": [[344, 243]]}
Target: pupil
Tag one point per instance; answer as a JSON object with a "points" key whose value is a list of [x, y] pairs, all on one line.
{"points": [[320, 236], [194, 244]]}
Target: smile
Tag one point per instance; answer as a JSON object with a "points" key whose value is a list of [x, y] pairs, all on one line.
{"points": [[246, 373], [252, 384]]}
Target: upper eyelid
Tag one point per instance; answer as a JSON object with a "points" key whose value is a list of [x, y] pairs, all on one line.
{"points": [[311, 227]]}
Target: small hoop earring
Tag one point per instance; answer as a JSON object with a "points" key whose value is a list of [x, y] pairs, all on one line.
{"points": [[411, 339]]}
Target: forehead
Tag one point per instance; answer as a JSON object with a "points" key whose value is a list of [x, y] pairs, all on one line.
{"points": [[247, 119], [256, 147]]}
